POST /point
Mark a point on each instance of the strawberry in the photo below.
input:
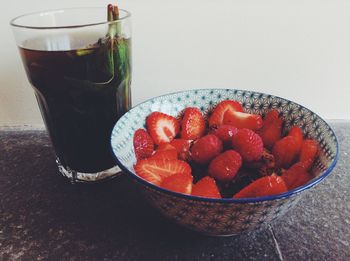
(308, 152)
(206, 187)
(179, 182)
(296, 176)
(265, 186)
(143, 144)
(225, 133)
(165, 151)
(225, 166)
(272, 129)
(243, 120)
(183, 148)
(206, 148)
(249, 144)
(155, 170)
(162, 127)
(193, 124)
(217, 116)
(285, 151)
(297, 133)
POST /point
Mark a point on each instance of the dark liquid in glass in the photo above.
(81, 94)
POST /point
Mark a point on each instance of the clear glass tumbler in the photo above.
(79, 65)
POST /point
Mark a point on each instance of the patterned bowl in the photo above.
(223, 217)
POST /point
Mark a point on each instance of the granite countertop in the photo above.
(42, 216)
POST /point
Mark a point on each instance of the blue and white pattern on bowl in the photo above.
(223, 216)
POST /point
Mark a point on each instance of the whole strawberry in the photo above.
(249, 144)
(225, 166)
(206, 148)
(225, 133)
(143, 144)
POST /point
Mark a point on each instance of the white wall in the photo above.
(297, 49)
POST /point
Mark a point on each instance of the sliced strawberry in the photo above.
(217, 117)
(206, 187)
(165, 151)
(296, 176)
(225, 133)
(183, 148)
(143, 144)
(225, 166)
(243, 120)
(285, 151)
(162, 127)
(272, 129)
(308, 152)
(155, 170)
(265, 186)
(297, 133)
(206, 148)
(249, 144)
(179, 182)
(193, 124)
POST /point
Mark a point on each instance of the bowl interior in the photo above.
(312, 125)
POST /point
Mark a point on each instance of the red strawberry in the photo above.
(162, 127)
(225, 133)
(165, 151)
(249, 144)
(272, 129)
(143, 144)
(297, 133)
(308, 152)
(155, 170)
(285, 151)
(183, 148)
(296, 176)
(217, 117)
(225, 166)
(179, 182)
(206, 148)
(243, 120)
(265, 186)
(206, 187)
(193, 124)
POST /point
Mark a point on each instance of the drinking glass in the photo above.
(79, 65)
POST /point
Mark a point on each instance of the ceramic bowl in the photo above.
(223, 217)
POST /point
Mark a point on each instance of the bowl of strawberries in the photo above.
(223, 161)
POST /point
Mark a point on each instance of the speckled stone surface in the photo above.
(43, 217)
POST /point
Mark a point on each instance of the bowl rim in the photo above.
(228, 200)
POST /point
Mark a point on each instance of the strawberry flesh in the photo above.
(272, 129)
(162, 127)
(165, 151)
(285, 151)
(243, 120)
(308, 152)
(217, 117)
(179, 182)
(296, 176)
(183, 148)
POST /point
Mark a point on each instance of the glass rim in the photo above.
(14, 24)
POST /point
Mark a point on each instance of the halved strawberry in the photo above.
(243, 120)
(272, 129)
(165, 151)
(206, 187)
(217, 116)
(143, 144)
(155, 170)
(265, 186)
(179, 182)
(162, 127)
(308, 152)
(183, 148)
(297, 133)
(296, 176)
(193, 124)
(285, 151)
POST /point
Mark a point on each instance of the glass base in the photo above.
(75, 176)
